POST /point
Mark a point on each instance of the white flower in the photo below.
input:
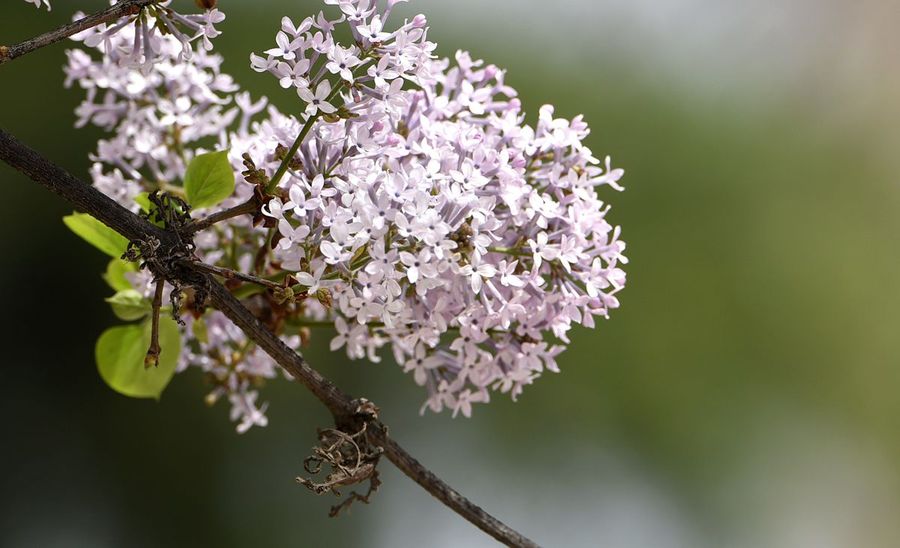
(383, 73)
(318, 101)
(373, 32)
(286, 47)
(291, 236)
(245, 410)
(314, 281)
(420, 364)
(465, 400)
(418, 266)
(293, 75)
(477, 273)
(37, 3)
(507, 273)
(342, 62)
(334, 253)
(288, 26)
(542, 250)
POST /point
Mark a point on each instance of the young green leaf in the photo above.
(129, 305)
(120, 356)
(97, 234)
(209, 179)
(115, 274)
(143, 200)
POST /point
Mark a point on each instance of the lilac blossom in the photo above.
(421, 217)
(498, 237)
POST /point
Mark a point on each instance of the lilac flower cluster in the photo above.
(442, 225)
(411, 206)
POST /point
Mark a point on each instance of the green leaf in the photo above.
(97, 234)
(209, 179)
(115, 274)
(143, 200)
(129, 305)
(120, 357)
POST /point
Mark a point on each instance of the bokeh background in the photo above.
(746, 395)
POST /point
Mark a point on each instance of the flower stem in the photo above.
(324, 324)
(282, 169)
(516, 252)
(229, 274)
(307, 127)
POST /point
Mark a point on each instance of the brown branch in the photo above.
(439, 489)
(343, 408)
(112, 13)
(338, 403)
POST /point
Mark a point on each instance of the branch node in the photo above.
(365, 410)
(351, 457)
(168, 263)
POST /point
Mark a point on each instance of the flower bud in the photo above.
(284, 295)
(324, 297)
(151, 359)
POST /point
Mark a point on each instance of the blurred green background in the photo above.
(747, 394)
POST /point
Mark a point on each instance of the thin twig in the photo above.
(285, 164)
(249, 207)
(440, 490)
(341, 405)
(152, 358)
(229, 274)
(112, 13)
